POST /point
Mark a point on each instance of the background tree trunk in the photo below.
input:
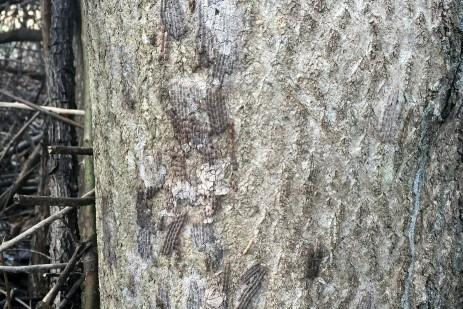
(277, 154)
(61, 87)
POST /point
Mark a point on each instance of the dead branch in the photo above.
(72, 291)
(22, 177)
(38, 226)
(28, 269)
(17, 136)
(21, 35)
(41, 109)
(9, 292)
(70, 150)
(17, 300)
(48, 299)
(28, 200)
(57, 110)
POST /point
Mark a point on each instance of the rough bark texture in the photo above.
(61, 168)
(277, 154)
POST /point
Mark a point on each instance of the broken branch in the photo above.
(43, 110)
(32, 268)
(48, 299)
(71, 292)
(35, 228)
(70, 150)
(21, 35)
(17, 136)
(28, 200)
(58, 110)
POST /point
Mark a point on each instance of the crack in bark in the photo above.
(427, 133)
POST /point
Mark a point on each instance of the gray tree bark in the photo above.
(277, 154)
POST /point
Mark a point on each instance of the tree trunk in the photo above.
(60, 82)
(277, 154)
(86, 216)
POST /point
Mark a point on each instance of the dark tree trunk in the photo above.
(62, 168)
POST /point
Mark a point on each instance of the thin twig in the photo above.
(7, 287)
(23, 129)
(71, 292)
(18, 135)
(32, 251)
(19, 301)
(38, 226)
(70, 150)
(41, 109)
(28, 269)
(57, 110)
(26, 170)
(48, 299)
(30, 200)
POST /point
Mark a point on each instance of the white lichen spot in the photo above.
(222, 20)
(135, 269)
(355, 147)
(388, 168)
(214, 294)
(137, 265)
(131, 161)
(152, 172)
(145, 39)
(331, 115)
(325, 221)
(213, 298)
(183, 190)
(150, 169)
(212, 179)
